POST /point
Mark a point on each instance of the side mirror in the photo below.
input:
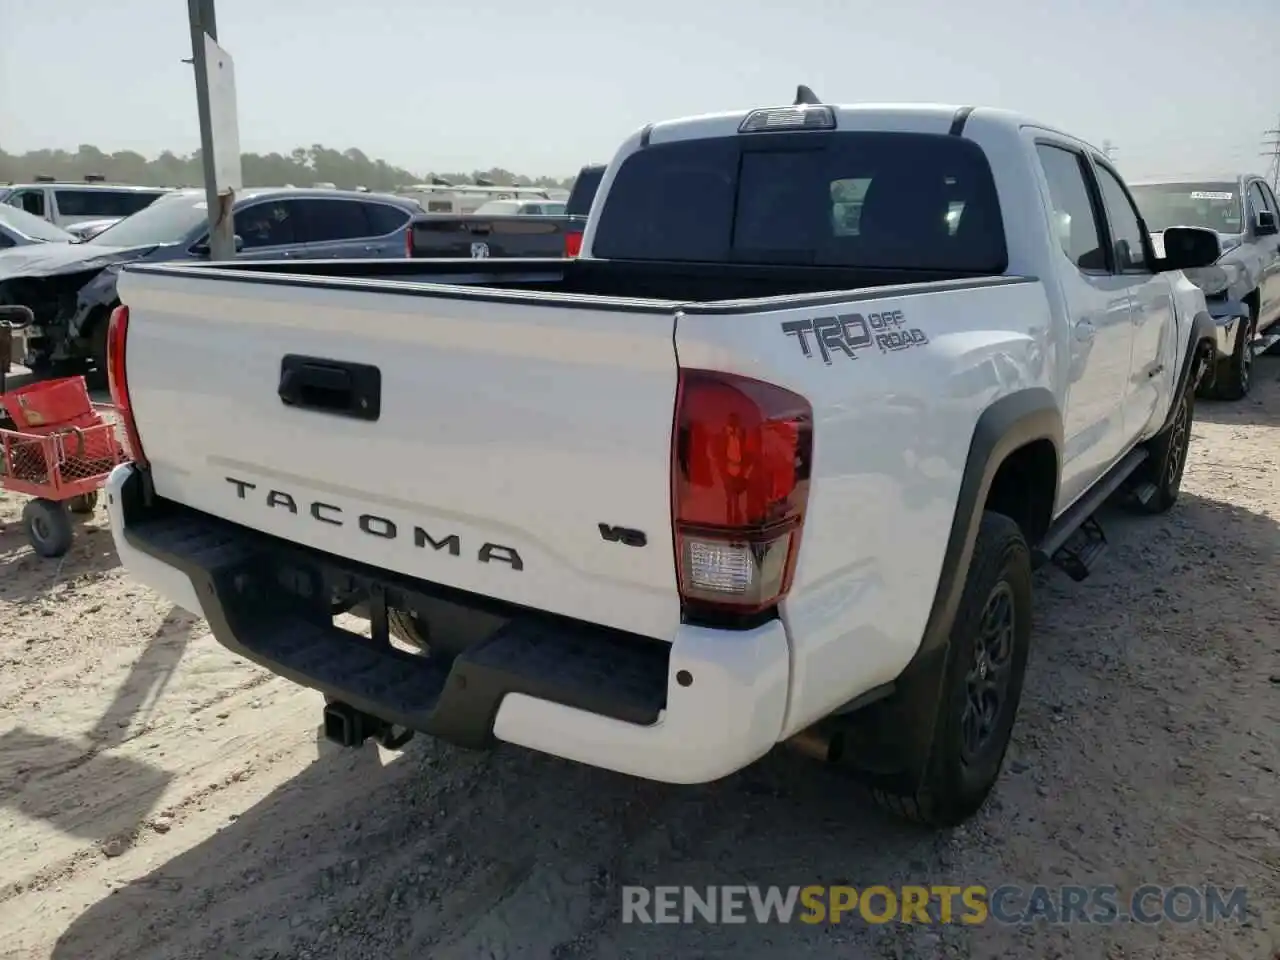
(1189, 248)
(1265, 225)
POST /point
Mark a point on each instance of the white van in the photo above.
(68, 203)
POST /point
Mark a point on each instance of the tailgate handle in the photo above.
(331, 386)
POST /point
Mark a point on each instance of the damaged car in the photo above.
(1242, 289)
(71, 287)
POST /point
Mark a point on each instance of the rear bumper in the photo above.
(691, 711)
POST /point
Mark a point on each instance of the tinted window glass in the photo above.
(5, 242)
(1271, 198)
(384, 218)
(1257, 200)
(31, 201)
(102, 203)
(1214, 205)
(885, 200)
(1074, 219)
(1126, 228)
(328, 220)
(584, 191)
(270, 224)
(171, 219)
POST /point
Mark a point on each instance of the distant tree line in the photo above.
(302, 168)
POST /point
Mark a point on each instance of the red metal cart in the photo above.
(57, 447)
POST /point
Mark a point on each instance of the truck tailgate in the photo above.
(508, 432)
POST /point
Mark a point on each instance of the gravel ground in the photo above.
(162, 799)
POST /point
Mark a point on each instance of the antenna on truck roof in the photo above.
(805, 96)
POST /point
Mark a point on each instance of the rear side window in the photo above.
(384, 218)
(270, 224)
(31, 201)
(881, 200)
(327, 220)
(1075, 221)
(102, 203)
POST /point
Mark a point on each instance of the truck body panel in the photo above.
(490, 433)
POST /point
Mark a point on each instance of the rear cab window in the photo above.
(898, 201)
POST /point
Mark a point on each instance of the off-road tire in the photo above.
(1168, 457)
(958, 779)
(1235, 376)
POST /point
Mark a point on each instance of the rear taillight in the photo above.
(742, 451)
(118, 379)
(408, 241)
(572, 244)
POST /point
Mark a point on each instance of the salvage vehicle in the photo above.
(744, 473)
(1243, 287)
(510, 228)
(21, 229)
(72, 287)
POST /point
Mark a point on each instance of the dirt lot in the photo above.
(163, 800)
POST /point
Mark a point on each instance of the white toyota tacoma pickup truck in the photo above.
(772, 461)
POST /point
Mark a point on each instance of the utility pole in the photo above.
(222, 243)
(1271, 139)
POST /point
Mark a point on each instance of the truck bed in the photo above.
(662, 284)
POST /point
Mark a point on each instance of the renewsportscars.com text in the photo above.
(974, 904)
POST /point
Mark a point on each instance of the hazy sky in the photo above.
(543, 87)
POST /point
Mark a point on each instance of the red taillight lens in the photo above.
(117, 379)
(572, 244)
(741, 457)
(408, 241)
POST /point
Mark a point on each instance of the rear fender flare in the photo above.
(907, 717)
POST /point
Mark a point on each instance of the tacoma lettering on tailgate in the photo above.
(375, 526)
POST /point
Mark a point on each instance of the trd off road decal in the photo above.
(851, 332)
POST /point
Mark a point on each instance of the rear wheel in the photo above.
(982, 686)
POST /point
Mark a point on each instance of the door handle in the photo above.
(369, 248)
(331, 386)
(1085, 331)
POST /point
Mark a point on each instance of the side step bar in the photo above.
(1076, 540)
